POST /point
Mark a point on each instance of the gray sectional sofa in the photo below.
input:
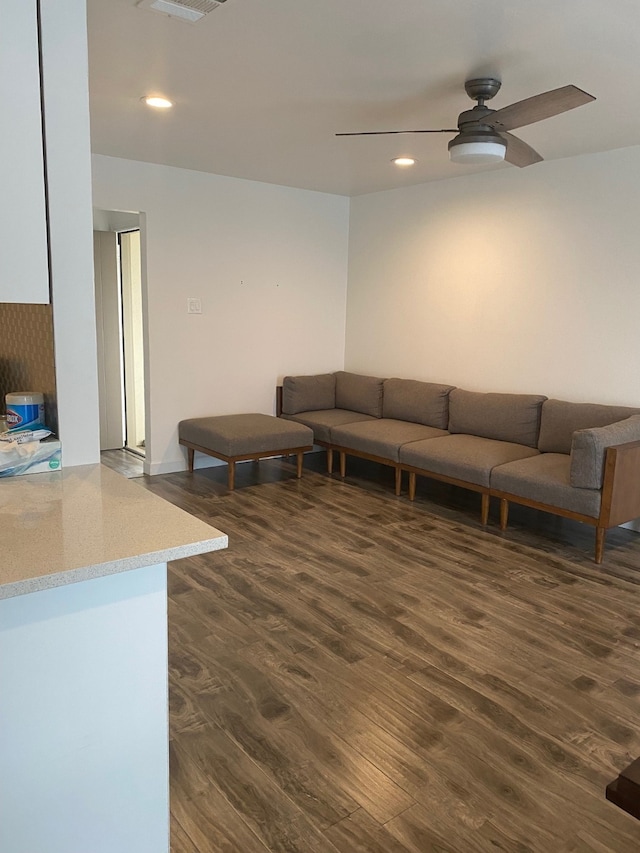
(578, 460)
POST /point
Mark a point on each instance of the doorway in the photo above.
(120, 332)
(132, 340)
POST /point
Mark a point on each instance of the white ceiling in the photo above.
(261, 86)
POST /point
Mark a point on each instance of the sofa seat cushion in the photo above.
(419, 402)
(463, 457)
(546, 479)
(505, 417)
(321, 422)
(381, 437)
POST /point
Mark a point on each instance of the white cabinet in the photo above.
(24, 275)
(83, 700)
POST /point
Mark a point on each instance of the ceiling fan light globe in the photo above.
(477, 152)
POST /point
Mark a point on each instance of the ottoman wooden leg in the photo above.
(231, 475)
(300, 458)
(190, 456)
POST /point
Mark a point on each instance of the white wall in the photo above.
(66, 108)
(204, 235)
(510, 280)
(114, 220)
(109, 339)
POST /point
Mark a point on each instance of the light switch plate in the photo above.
(194, 305)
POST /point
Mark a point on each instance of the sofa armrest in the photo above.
(589, 448)
(621, 489)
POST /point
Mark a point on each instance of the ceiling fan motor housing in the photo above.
(477, 142)
(474, 117)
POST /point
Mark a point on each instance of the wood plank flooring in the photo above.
(360, 674)
(123, 461)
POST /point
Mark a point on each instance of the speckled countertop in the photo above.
(86, 522)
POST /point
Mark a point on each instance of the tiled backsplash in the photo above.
(27, 355)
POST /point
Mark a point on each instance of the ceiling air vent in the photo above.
(187, 10)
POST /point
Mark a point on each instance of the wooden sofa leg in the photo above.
(329, 460)
(343, 464)
(412, 485)
(484, 511)
(601, 533)
(504, 513)
(299, 461)
(398, 480)
(190, 457)
(231, 475)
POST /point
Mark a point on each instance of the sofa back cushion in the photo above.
(561, 419)
(505, 417)
(359, 393)
(589, 449)
(308, 393)
(419, 402)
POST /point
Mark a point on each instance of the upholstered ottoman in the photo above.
(236, 438)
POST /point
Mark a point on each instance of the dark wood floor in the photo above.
(365, 675)
(123, 461)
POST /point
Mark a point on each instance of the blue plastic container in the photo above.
(25, 410)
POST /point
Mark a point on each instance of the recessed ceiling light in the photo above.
(404, 161)
(158, 103)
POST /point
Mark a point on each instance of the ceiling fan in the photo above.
(483, 134)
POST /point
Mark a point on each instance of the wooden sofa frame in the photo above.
(343, 451)
(620, 501)
(483, 491)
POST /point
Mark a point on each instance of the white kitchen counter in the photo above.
(83, 660)
(86, 522)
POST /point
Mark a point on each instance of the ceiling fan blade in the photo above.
(518, 153)
(386, 132)
(538, 108)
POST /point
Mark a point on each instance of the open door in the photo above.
(132, 340)
(119, 325)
